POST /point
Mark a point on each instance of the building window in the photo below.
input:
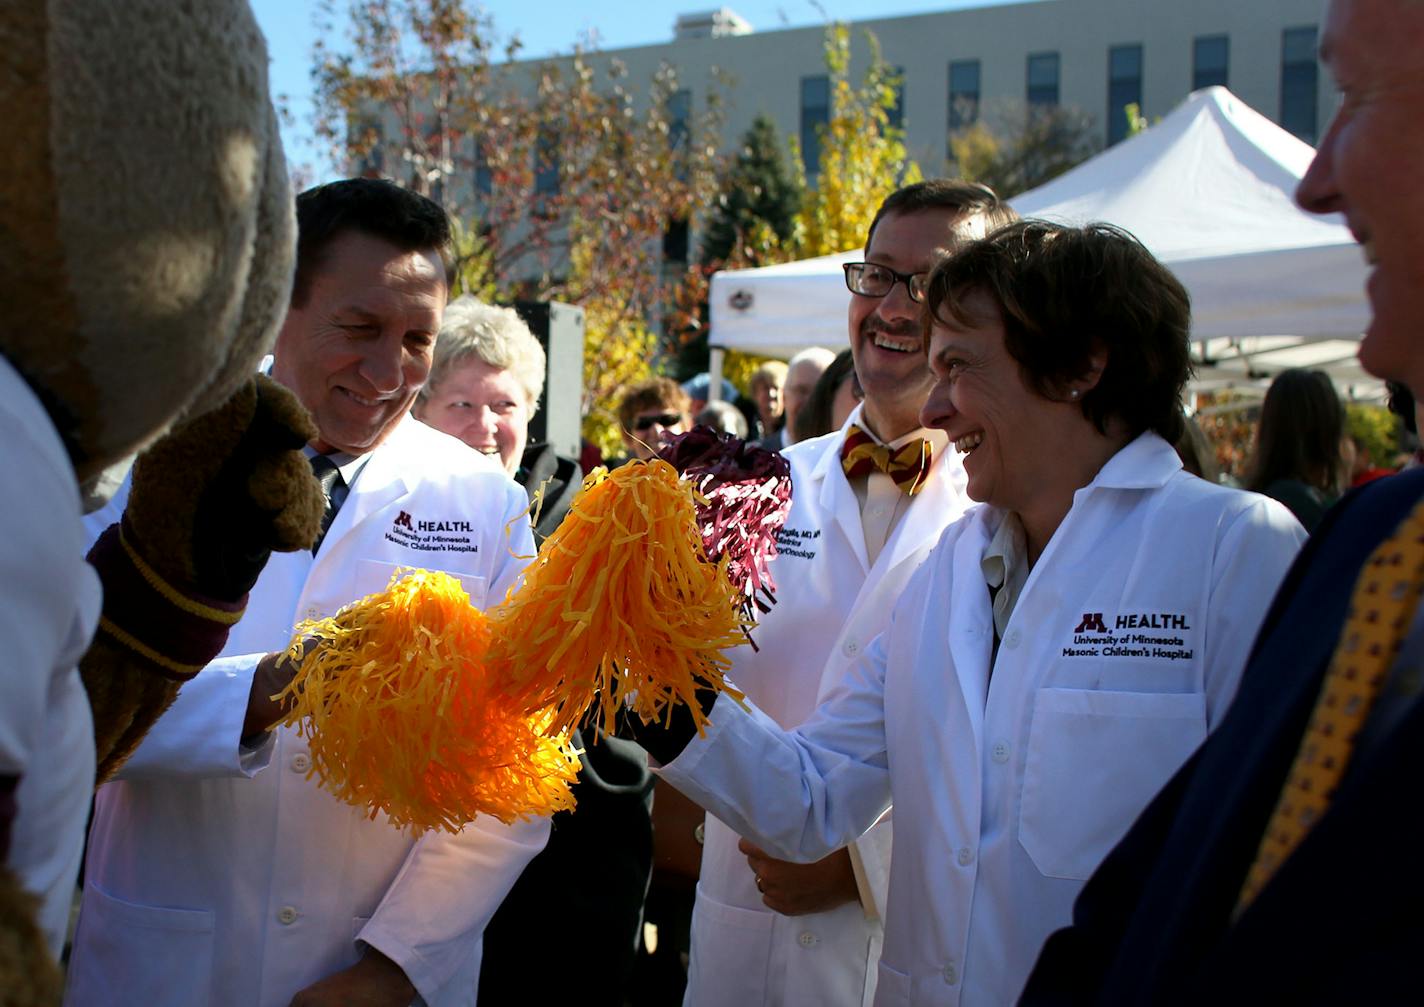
(546, 165)
(815, 114)
(1299, 82)
(963, 93)
(679, 116)
(676, 241)
(1124, 87)
(895, 114)
(365, 136)
(1210, 55)
(1042, 79)
(484, 174)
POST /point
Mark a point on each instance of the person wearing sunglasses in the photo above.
(649, 410)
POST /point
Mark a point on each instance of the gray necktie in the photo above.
(333, 487)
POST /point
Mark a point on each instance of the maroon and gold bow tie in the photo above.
(908, 465)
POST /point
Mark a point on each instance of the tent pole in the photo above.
(714, 375)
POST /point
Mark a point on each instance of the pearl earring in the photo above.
(1073, 394)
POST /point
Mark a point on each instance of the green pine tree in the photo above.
(759, 195)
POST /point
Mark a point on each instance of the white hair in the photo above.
(818, 355)
(498, 336)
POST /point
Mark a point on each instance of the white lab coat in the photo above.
(830, 604)
(221, 875)
(48, 613)
(1009, 790)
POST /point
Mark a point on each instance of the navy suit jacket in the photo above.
(1342, 921)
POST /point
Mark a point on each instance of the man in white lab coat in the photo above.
(218, 872)
(767, 932)
(1058, 654)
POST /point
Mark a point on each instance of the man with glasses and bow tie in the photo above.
(869, 501)
(218, 872)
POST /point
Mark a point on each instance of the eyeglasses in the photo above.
(871, 280)
(661, 419)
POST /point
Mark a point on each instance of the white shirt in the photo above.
(1005, 566)
(219, 874)
(48, 615)
(832, 599)
(1008, 790)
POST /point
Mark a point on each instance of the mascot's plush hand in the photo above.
(209, 503)
(32, 978)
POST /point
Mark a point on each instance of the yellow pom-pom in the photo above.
(418, 706)
(620, 605)
(404, 717)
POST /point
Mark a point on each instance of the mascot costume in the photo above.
(146, 241)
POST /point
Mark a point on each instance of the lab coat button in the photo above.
(851, 648)
(1012, 640)
(301, 762)
(808, 939)
(287, 915)
(951, 974)
(1000, 752)
(966, 856)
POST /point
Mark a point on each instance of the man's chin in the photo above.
(1392, 356)
(358, 441)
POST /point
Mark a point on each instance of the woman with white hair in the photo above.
(484, 387)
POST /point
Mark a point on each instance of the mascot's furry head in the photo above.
(146, 225)
(146, 248)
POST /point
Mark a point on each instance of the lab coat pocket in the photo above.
(146, 956)
(731, 954)
(892, 987)
(1095, 759)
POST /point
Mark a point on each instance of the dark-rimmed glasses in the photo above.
(870, 279)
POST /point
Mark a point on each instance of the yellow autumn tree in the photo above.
(563, 175)
(863, 155)
(863, 159)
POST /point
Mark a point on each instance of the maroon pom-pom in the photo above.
(746, 495)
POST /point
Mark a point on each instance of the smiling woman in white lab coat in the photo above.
(1061, 652)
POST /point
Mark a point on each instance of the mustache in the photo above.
(872, 324)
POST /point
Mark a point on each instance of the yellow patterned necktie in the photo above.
(908, 465)
(1380, 615)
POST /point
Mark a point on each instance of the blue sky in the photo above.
(546, 27)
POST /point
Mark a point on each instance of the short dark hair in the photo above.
(652, 393)
(1299, 433)
(1401, 403)
(1065, 292)
(968, 199)
(373, 206)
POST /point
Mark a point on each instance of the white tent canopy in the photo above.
(1209, 190)
(777, 311)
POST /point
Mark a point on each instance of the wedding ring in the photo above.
(760, 887)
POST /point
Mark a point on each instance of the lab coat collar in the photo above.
(834, 495)
(1146, 463)
(924, 521)
(831, 460)
(379, 483)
